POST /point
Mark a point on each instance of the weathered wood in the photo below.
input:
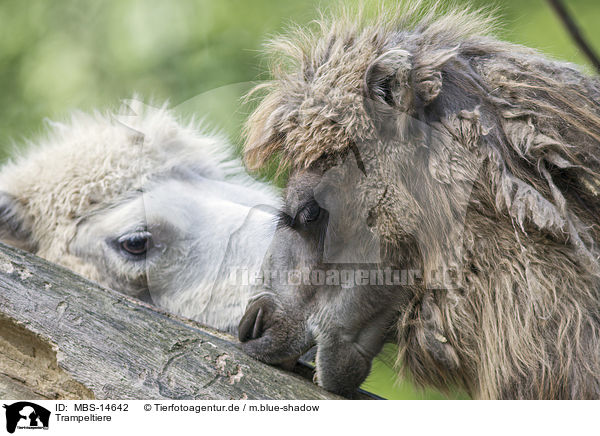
(62, 336)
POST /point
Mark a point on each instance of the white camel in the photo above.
(144, 204)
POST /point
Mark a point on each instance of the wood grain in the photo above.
(62, 336)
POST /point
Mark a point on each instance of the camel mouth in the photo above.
(270, 350)
(342, 370)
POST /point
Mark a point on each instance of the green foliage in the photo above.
(57, 56)
(202, 55)
(384, 381)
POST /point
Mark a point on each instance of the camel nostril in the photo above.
(251, 324)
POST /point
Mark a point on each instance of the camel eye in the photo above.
(309, 213)
(135, 244)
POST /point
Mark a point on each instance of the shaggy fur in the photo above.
(520, 130)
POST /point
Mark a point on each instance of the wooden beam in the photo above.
(62, 336)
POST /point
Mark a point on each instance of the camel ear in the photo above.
(387, 78)
(14, 227)
(396, 79)
(427, 74)
(428, 84)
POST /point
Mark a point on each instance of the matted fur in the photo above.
(526, 322)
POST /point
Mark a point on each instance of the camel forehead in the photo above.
(95, 160)
(180, 203)
(315, 102)
(92, 151)
(326, 113)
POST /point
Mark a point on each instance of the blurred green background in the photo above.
(199, 54)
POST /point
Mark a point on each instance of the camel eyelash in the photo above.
(285, 220)
(308, 213)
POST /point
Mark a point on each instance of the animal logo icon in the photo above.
(24, 414)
